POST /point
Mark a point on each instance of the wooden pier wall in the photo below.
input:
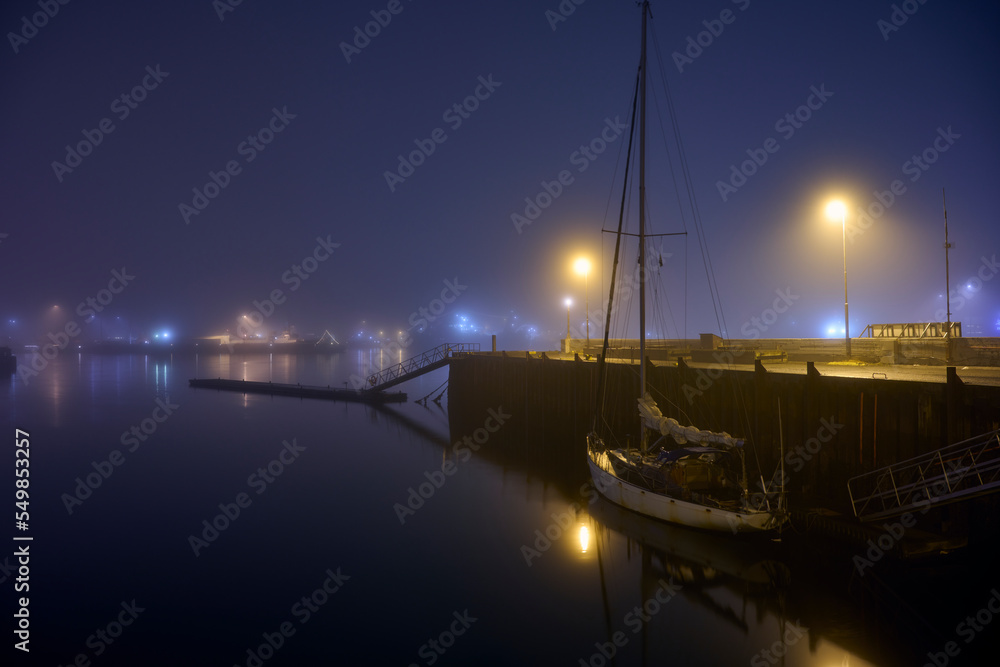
(834, 427)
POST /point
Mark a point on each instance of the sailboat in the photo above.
(689, 476)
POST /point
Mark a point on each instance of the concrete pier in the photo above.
(972, 351)
(833, 427)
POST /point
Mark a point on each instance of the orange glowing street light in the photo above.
(837, 209)
(582, 265)
(584, 538)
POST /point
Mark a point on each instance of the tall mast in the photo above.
(642, 209)
(601, 360)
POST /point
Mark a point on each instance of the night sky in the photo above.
(308, 118)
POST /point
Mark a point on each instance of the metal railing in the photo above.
(957, 472)
(912, 330)
(419, 364)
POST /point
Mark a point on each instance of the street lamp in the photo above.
(834, 210)
(584, 538)
(582, 265)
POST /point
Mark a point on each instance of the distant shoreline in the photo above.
(158, 347)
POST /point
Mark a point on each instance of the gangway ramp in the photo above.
(425, 362)
(957, 472)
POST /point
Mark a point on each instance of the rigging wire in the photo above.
(659, 284)
(676, 189)
(700, 232)
(689, 187)
(613, 187)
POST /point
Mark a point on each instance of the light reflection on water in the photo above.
(731, 598)
(464, 547)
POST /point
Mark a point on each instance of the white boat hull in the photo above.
(674, 510)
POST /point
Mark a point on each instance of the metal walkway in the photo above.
(957, 472)
(425, 362)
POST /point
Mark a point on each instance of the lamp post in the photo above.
(947, 283)
(566, 348)
(569, 302)
(834, 210)
(582, 265)
(127, 327)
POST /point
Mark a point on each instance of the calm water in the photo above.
(450, 585)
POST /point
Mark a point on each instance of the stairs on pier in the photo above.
(951, 474)
(425, 362)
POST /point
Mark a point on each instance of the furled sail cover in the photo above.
(654, 419)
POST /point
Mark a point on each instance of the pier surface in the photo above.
(978, 375)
